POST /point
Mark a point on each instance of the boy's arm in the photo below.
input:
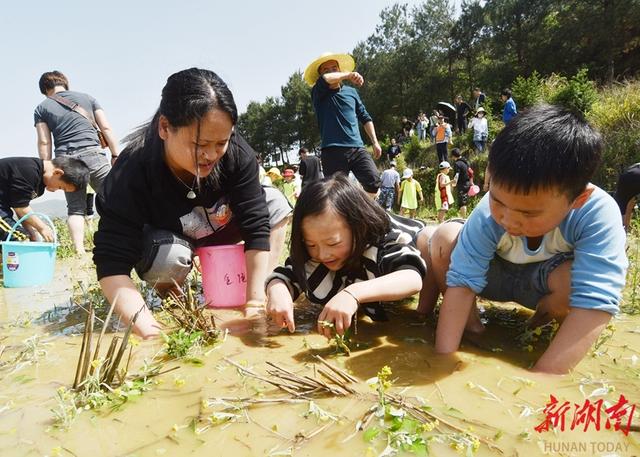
(44, 140)
(36, 223)
(575, 337)
(454, 312)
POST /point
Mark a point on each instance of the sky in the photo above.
(122, 52)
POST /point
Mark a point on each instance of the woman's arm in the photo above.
(128, 301)
(257, 269)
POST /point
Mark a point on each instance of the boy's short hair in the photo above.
(546, 147)
(506, 93)
(76, 172)
(455, 152)
(51, 79)
(303, 150)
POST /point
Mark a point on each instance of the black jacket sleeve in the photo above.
(118, 240)
(247, 198)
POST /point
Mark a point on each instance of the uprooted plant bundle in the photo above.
(193, 326)
(103, 380)
(399, 423)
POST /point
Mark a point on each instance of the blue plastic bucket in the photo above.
(27, 264)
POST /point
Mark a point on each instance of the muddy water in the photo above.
(487, 390)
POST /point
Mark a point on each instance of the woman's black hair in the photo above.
(187, 97)
(546, 147)
(369, 223)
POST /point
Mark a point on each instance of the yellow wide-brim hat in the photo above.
(345, 61)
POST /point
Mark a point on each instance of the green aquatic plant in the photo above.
(529, 337)
(342, 342)
(181, 343)
(30, 352)
(84, 294)
(65, 248)
(631, 302)
(605, 336)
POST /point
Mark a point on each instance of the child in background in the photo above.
(345, 251)
(443, 197)
(543, 237)
(410, 190)
(480, 129)
(289, 186)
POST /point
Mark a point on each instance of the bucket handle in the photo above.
(28, 215)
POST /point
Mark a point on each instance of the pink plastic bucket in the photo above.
(473, 191)
(224, 275)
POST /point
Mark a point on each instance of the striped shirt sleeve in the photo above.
(394, 255)
(286, 275)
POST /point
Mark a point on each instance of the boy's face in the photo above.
(53, 181)
(533, 214)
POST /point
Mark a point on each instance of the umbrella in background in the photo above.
(448, 110)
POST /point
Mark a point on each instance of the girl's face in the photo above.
(180, 143)
(328, 238)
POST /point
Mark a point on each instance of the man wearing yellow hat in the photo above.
(338, 110)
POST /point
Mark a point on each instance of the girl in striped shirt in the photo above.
(345, 250)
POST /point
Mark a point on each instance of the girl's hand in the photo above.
(338, 311)
(280, 305)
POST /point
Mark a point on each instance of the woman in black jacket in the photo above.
(186, 179)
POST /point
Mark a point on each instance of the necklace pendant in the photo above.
(191, 195)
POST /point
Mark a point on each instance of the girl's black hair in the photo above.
(187, 97)
(369, 223)
(546, 147)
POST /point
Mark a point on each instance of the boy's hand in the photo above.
(47, 234)
(338, 311)
(280, 305)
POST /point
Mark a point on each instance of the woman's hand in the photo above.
(339, 312)
(280, 305)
